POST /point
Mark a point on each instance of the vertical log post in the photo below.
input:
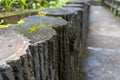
(67, 67)
(45, 41)
(85, 16)
(12, 46)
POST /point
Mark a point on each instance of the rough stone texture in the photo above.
(40, 51)
(11, 42)
(22, 68)
(54, 49)
(13, 45)
(60, 28)
(84, 27)
(85, 17)
(69, 57)
(79, 12)
(45, 46)
(47, 51)
(34, 32)
(45, 59)
(69, 14)
(6, 72)
(44, 20)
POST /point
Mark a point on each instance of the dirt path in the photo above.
(103, 60)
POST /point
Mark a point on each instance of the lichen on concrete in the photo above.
(58, 11)
(34, 32)
(46, 20)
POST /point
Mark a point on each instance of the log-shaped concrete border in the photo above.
(54, 49)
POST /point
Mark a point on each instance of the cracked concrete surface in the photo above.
(103, 59)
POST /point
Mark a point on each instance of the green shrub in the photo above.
(10, 5)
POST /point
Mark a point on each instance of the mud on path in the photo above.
(103, 60)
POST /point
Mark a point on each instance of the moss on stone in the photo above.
(6, 26)
(46, 20)
(34, 29)
(60, 18)
(41, 13)
(22, 21)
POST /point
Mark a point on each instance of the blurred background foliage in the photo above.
(96, 2)
(13, 5)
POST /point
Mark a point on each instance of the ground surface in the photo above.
(103, 60)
